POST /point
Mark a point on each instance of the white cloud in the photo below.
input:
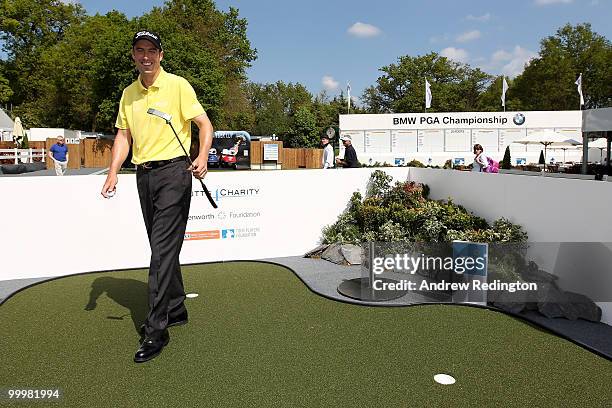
(547, 2)
(501, 56)
(329, 83)
(468, 36)
(484, 18)
(455, 54)
(363, 30)
(511, 63)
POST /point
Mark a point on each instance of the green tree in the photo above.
(27, 28)
(275, 106)
(211, 49)
(548, 81)
(541, 160)
(81, 78)
(401, 88)
(490, 99)
(82, 63)
(303, 132)
(506, 162)
(328, 111)
(5, 89)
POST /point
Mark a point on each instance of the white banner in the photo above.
(462, 120)
(69, 228)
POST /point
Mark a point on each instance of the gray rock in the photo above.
(36, 166)
(584, 307)
(13, 168)
(510, 302)
(532, 273)
(352, 254)
(553, 303)
(333, 254)
(316, 253)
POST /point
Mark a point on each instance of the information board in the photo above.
(487, 138)
(378, 141)
(270, 151)
(404, 141)
(457, 140)
(431, 140)
(507, 138)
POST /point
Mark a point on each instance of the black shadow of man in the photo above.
(129, 293)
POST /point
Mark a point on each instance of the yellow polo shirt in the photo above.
(152, 138)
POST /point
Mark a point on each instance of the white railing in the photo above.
(22, 155)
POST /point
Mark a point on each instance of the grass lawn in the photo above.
(258, 337)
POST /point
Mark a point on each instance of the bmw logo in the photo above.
(519, 119)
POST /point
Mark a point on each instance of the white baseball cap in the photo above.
(346, 137)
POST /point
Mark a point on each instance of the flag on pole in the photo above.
(427, 94)
(348, 92)
(504, 89)
(579, 85)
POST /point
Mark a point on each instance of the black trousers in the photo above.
(165, 196)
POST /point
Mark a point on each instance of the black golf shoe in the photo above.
(151, 347)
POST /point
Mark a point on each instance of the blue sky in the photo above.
(324, 44)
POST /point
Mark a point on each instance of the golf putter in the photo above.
(168, 118)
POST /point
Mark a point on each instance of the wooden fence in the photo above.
(289, 158)
(96, 152)
(92, 153)
(89, 153)
(302, 158)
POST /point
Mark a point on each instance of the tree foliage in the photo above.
(548, 81)
(27, 29)
(71, 70)
(401, 88)
(5, 90)
(276, 106)
(506, 162)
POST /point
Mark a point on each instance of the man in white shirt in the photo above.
(328, 153)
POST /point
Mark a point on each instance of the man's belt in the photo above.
(160, 163)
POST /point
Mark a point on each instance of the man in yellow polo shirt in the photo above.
(163, 178)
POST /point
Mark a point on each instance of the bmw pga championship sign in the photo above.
(435, 138)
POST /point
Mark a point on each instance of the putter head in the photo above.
(165, 116)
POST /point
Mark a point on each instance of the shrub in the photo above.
(415, 163)
(403, 212)
(506, 161)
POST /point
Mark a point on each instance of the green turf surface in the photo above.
(258, 337)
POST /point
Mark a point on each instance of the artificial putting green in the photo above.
(258, 337)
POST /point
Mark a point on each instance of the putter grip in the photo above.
(210, 199)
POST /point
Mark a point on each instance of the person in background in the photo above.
(350, 155)
(480, 160)
(328, 153)
(59, 154)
